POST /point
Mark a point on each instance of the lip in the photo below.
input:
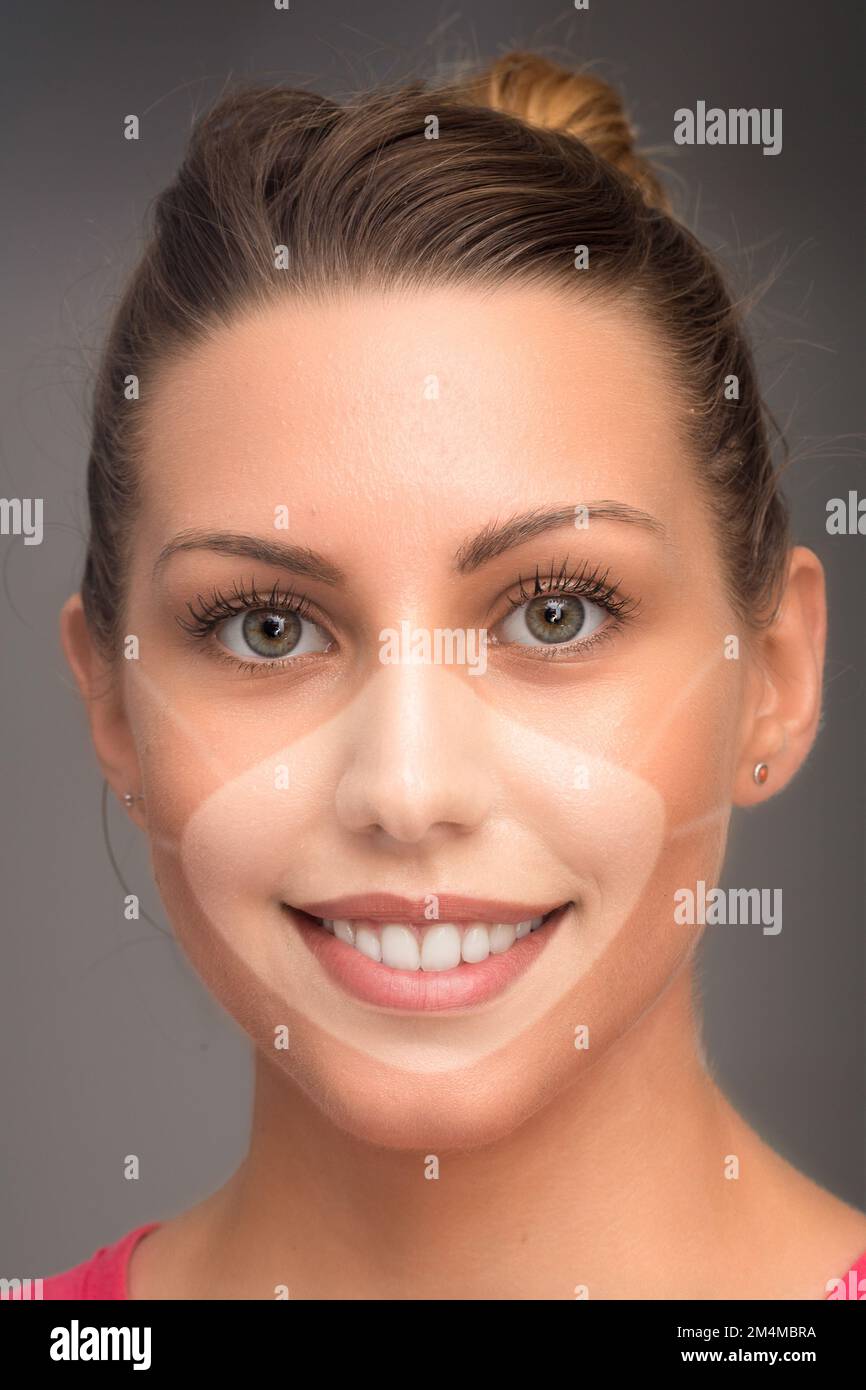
(421, 991)
(451, 907)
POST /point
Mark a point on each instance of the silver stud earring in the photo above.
(129, 799)
(760, 773)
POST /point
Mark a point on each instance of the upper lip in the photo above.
(450, 907)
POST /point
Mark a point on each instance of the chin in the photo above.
(430, 1115)
(465, 1108)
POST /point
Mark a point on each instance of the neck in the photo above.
(621, 1167)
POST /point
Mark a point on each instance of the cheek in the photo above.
(632, 792)
(613, 801)
(192, 741)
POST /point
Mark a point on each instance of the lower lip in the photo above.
(422, 991)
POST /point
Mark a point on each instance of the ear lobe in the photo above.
(102, 692)
(786, 704)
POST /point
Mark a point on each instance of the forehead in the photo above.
(409, 401)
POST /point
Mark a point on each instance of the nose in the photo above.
(417, 765)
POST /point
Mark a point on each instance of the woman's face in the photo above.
(574, 752)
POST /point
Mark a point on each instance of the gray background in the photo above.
(110, 1045)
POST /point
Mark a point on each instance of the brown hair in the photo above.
(530, 160)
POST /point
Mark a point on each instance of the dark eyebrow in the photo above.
(495, 539)
(299, 559)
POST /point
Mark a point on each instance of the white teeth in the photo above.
(368, 943)
(399, 947)
(439, 947)
(503, 935)
(476, 944)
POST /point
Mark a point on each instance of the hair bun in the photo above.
(545, 94)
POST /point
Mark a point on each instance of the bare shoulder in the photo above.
(163, 1262)
(810, 1235)
(834, 1232)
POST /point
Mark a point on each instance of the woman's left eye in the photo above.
(553, 620)
(264, 634)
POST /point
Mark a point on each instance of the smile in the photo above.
(381, 951)
(438, 946)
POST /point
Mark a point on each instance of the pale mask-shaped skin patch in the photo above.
(603, 779)
(599, 850)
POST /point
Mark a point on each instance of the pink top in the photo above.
(104, 1274)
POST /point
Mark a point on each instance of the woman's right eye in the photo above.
(270, 634)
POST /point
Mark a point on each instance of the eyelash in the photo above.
(244, 598)
(585, 581)
(590, 582)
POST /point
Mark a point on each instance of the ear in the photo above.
(102, 691)
(783, 705)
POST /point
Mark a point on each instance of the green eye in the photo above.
(270, 634)
(553, 619)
